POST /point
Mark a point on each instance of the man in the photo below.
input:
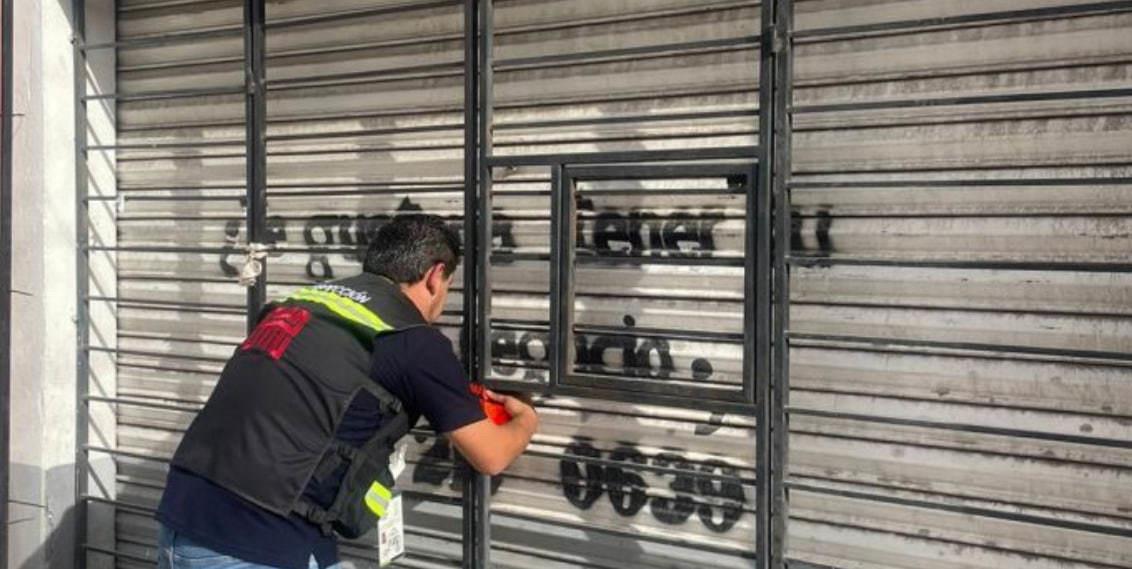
(296, 443)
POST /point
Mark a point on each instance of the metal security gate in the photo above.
(958, 227)
(273, 140)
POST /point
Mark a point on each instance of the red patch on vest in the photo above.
(274, 333)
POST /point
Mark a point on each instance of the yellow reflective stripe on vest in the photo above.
(377, 498)
(344, 307)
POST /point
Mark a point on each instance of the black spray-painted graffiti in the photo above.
(628, 233)
(710, 489)
(650, 357)
(689, 233)
(718, 502)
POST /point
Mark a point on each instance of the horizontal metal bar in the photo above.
(1088, 354)
(594, 376)
(589, 527)
(125, 189)
(969, 100)
(818, 213)
(967, 19)
(686, 335)
(624, 396)
(238, 197)
(659, 171)
(170, 249)
(795, 564)
(163, 95)
(959, 509)
(117, 554)
(143, 403)
(341, 51)
(964, 427)
(623, 119)
(584, 258)
(360, 150)
(649, 193)
(989, 309)
(365, 132)
(336, 79)
(202, 306)
(963, 183)
(557, 24)
(324, 18)
(437, 498)
(137, 508)
(166, 38)
(126, 453)
(824, 261)
(141, 353)
(846, 344)
(231, 61)
(642, 192)
(644, 51)
(165, 145)
(689, 154)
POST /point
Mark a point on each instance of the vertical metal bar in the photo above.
(568, 229)
(486, 88)
(5, 267)
(476, 491)
(755, 287)
(471, 185)
(255, 118)
(763, 459)
(478, 32)
(559, 336)
(82, 283)
(783, 131)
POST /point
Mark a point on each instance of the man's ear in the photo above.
(434, 279)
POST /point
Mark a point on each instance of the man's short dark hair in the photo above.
(407, 247)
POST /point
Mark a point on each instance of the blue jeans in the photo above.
(177, 551)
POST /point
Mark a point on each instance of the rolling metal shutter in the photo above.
(180, 173)
(960, 324)
(365, 120)
(960, 293)
(588, 77)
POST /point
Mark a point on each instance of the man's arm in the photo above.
(491, 448)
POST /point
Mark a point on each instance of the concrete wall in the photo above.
(43, 285)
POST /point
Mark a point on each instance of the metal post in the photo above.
(82, 270)
(780, 389)
(486, 87)
(471, 186)
(560, 337)
(5, 267)
(256, 140)
(763, 185)
(477, 247)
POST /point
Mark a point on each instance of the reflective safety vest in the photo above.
(269, 427)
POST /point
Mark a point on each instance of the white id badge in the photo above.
(397, 460)
(391, 533)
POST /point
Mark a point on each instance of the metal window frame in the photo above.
(768, 399)
(565, 170)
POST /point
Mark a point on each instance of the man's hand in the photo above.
(491, 448)
(515, 404)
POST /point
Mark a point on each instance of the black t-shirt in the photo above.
(417, 366)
